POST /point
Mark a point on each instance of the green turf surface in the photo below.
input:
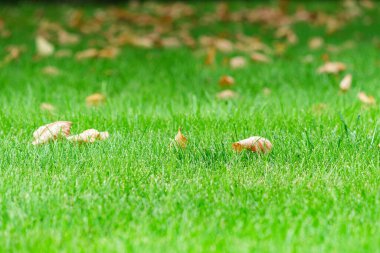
(317, 191)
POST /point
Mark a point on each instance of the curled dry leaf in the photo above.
(365, 99)
(332, 67)
(259, 57)
(254, 144)
(315, 43)
(238, 62)
(95, 99)
(51, 131)
(345, 84)
(50, 70)
(226, 81)
(44, 47)
(47, 107)
(226, 95)
(88, 53)
(180, 139)
(89, 136)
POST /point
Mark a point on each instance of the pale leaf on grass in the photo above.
(89, 136)
(316, 42)
(238, 62)
(51, 131)
(255, 144)
(259, 57)
(51, 71)
(227, 95)
(226, 81)
(86, 54)
(365, 99)
(47, 107)
(180, 140)
(332, 68)
(345, 84)
(44, 47)
(95, 99)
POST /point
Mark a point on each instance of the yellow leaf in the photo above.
(95, 99)
(180, 139)
(44, 47)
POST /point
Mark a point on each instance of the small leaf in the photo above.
(345, 84)
(238, 62)
(226, 81)
(51, 131)
(254, 144)
(258, 57)
(89, 136)
(226, 95)
(95, 99)
(51, 71)
(332, 67)
(365, 99)
(44, 47)
(315, 43)
(180, 139)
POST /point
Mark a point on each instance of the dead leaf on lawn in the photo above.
(332, 67)
(44, 47)
(89, 136)
(86, 54)
(259, 57)
(238, 62)
(95, 99)
(254, 144)
(345, 84)
(365, 99)
(226, 95)
(226, 81)
(180, 140)
(210, 56)
(47, 107)
(315, 43)
(51, 131)
(51, 71)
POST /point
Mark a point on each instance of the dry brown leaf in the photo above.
(258, 57)
(210, 56)
(47, 107)
(224, 45)
(65, 38)
(89, 136)
(44, 47)
(226, 95)
(51, 70)
(88, 53)
(332, 67)
(315, 43)
(226, 81)
(14, 53)
(365, 99)
(345, 84)
(238, 62)
(254, 144)
(51, 131)
(170, 42)
(180, 139)
(110, 52)
(95, 99)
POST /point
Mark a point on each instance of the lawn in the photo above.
(318, 190)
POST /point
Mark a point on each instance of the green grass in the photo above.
(317, 191)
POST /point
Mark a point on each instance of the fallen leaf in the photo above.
(44, 47)
(210, 56)
(51, 131)
(109, 52)
(226, 81)
(180, 139)
(332, 67)
(238, 62)
(315, 43)
(86, 54)
(258, 57)
(89, 136)
(365, 99)
(345, 84)
(50, 70)
(47, 107)
(254, 144)
(95, 99)
(226, 95)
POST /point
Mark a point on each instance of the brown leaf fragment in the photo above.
(65, 38)
(345, 84)
(95, 99)
(44, 47)
(180, 139)
(315, 43)
(238, 62)
(51, 131)
(47, 107)
(255, 144)
(226, 81)
(332, 67)
(365, 99)
(51, 71)
(109, 52)
(210, 56)
(226, 95)
(89, 136)
(86, 54)
(259, 57)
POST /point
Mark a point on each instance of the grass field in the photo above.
(317, 191)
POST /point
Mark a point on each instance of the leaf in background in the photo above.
(95, 99)
(226, 95)
(345, 84)
(254, 144)
(225, 81)
(44, 47)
